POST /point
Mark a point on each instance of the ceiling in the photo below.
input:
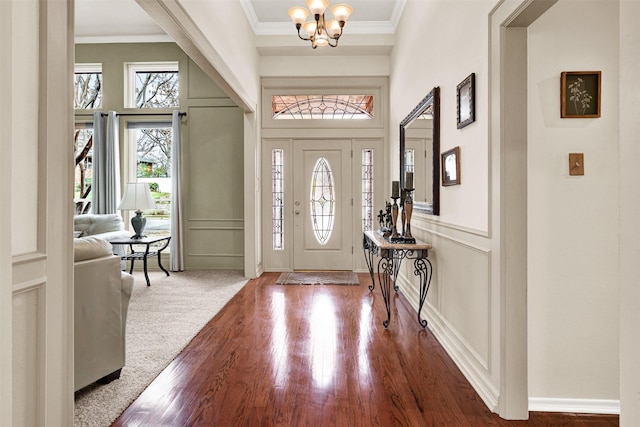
(113, 21)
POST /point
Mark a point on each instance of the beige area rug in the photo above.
(318, 278)
(162, 319)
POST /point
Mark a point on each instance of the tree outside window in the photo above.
(153, 165)
(87, 96)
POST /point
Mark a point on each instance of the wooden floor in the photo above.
(318, 356)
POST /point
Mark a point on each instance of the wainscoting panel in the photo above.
(215, 190)
(28, 367)
(216, 246)
(459, 301)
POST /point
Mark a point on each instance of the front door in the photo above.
(322, 211)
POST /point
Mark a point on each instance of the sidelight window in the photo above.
(367, 189)
(277, 198)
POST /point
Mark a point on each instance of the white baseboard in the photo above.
(578, 406)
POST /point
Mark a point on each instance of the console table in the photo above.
(391, 256)
(160, 244)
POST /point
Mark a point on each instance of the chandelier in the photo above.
(321, 33)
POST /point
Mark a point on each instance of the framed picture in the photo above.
(580, 94)
(451, 167)
(465, 94)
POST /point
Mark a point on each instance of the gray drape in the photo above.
(176, 260)
(105, 184)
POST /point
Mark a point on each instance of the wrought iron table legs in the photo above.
(369, 251)
(424, 269)
(388, 269)
(385, 270)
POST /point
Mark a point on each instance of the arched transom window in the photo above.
(336, 107)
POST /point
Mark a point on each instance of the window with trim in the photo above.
(333, 107)
(325, 102)
(277, 198)
(87, 86)
(367, 189)
(150, 146)
(83, 154)
(152, 85)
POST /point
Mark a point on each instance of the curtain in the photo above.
(176, 259)
(105, 185)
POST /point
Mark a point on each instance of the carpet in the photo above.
(162, 319)
(318, 278)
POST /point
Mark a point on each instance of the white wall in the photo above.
(461, 305)
(325, 65)
(430, 51)
(629, 214)
(573, 270)
(573, 220)
(225, 26)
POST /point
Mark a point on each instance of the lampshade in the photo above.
(310, 27)
(317, 7)
(341, 12)
(298, 15)
(333, 27)
(137, 196)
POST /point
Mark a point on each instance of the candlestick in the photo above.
(395, 189)
(395, 236)
(408, 208)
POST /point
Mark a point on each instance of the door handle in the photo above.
(297, 212)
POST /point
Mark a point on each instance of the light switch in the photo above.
(576, 164)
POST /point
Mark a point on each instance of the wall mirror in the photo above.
(420, 152)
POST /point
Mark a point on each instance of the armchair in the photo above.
(101, 303)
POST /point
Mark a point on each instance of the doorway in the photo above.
(323, 210)
(294, 238)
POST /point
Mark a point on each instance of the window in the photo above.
(336, 107)
(150, 152)
(152, 85)
(87, 86)
(322, 200)
(83, 154)
(367, 189)
(409, 160)
(277, 198)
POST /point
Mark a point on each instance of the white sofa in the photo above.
(105, 226)
(101, 303)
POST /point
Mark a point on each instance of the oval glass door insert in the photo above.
(323, 200)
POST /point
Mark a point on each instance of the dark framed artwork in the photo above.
(580, 94)
(465, 94)
(451, 167)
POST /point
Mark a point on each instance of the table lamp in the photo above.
(137, 196)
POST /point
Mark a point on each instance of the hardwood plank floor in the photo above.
(300, 355)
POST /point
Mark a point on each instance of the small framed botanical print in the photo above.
(580, 94)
